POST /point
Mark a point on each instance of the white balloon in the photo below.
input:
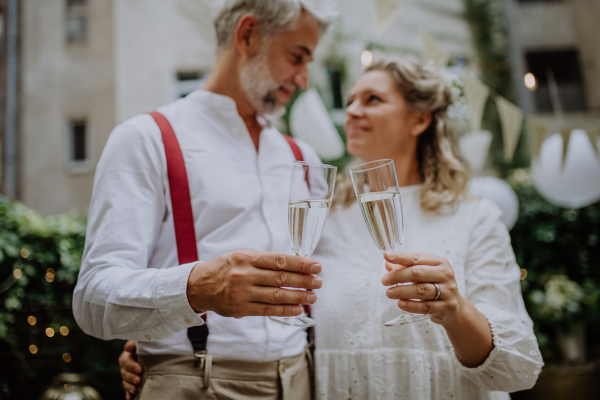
(500, 192)
(310, 121)
(575, 185)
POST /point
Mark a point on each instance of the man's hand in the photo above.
(131, 371)
(249, 283)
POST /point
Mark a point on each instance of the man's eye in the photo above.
(297, 59)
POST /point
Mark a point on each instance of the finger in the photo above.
(416, 273)
(129, 388)
(127, 395)
(129, 365)
(422, 307)
(283, 296)
(287, 279)
(270, 310)
(128, 377)
(407, 258)
(129, 346)
(286, 262)
(424, 291)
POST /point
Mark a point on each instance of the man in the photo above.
(238, 170)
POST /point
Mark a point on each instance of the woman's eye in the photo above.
(373, 98)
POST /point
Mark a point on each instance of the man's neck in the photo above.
(224, 79)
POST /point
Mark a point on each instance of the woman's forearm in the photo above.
(471, 335)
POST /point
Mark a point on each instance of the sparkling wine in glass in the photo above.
(376, 188)
(310, 199)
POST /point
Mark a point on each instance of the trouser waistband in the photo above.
(224, 368)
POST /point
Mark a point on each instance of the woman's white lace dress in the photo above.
(356, 357)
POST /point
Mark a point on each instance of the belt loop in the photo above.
(207, 372)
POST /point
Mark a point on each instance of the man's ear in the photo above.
(246, 38)
(420, 122)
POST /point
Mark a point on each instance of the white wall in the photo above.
(153, 40)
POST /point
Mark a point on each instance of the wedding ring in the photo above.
(437, 291)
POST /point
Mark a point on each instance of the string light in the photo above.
(31, 320)
(49, 332)
(66, 357)
(64, 330)
(33, 349)
(24, 253)
(50, 274)
(530, 81)
(17, 273)
(366, 58)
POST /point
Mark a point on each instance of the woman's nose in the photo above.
(353, 110)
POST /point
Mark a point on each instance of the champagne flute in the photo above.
(376, 187)
(310, 198)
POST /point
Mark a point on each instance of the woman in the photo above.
(479, 343)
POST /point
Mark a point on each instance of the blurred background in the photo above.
(526, 75)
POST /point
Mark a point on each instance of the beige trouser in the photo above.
(175, 377)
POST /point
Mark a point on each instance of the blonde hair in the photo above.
(442, 167)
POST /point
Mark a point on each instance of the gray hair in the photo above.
(273, 16)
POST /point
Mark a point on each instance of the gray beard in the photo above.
(260, 87)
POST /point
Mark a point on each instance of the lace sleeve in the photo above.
(492, 285)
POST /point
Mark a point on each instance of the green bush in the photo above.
(39, 263)
(560, 249)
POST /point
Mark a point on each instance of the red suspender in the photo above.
(295, 149)
(183, 218)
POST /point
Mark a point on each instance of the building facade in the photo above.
(556, 41)
(88, 65)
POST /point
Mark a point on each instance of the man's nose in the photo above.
(301, 79)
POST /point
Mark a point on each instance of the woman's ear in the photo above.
(420, 122)
(246, 38)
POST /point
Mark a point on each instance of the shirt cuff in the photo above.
(491, 357)
(171, 298)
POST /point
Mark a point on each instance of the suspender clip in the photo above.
(199, 359)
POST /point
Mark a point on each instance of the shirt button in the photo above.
(282, 369)
(187, 321)
(147, 337)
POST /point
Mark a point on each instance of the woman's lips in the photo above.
(355, 130)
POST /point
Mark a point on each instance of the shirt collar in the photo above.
(212, 99)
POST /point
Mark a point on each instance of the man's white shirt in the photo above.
(130, 285)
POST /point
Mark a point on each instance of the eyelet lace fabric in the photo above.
(356, 357)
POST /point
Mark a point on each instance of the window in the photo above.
(78, 149)
(563, 67)
(335, 80)
(76, 20)
(187, 82)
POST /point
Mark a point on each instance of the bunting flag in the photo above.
(432, 51)
(593, 134)
(385, 11)
(565, 133)
(511, 119)
(476, 93)
(538, 130)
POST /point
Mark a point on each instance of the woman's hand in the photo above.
(423, 270)
(130, 370)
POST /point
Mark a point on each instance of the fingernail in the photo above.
(384, 280)
(390, 255)
(315, 268)
(402, 304)
(311, 298)
(317, 282)
(389, 293)
(297, 310)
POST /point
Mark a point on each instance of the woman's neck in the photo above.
(407, 170)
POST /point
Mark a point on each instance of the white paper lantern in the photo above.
(475, 147)
(310, 121)
(577, 183)
(500, 192)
